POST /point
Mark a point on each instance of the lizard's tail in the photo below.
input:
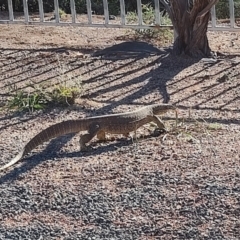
(56, 130)
(14, 160)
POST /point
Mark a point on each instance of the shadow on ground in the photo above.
(126, 74)
(123, 74)
(52, 152)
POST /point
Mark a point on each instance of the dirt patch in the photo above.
(183, 184)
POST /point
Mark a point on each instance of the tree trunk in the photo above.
(190, 21)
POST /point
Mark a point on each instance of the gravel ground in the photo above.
(184, 184)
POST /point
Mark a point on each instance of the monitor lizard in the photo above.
(120, 123)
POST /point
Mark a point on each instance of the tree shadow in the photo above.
(22, 67)
(114, 82)
(52, 152)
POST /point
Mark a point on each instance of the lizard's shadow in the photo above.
(52, 152)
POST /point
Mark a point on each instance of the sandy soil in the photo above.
(184, 184)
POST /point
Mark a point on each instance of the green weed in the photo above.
(30, 101)
(64, 95)
(61, 13)
(148, 15)
(39, 98)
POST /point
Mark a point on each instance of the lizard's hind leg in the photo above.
(93, 130)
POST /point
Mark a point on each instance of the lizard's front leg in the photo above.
(159, 123)
(93, 130)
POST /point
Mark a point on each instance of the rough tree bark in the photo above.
(190, 21)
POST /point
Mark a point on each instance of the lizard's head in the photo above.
(162, 108)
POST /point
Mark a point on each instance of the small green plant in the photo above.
(131, 17)
(69, 86)
(36, 97)
(148, 15)
(61, 13)
(27, 100)
(39, 98)
(62, 94)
